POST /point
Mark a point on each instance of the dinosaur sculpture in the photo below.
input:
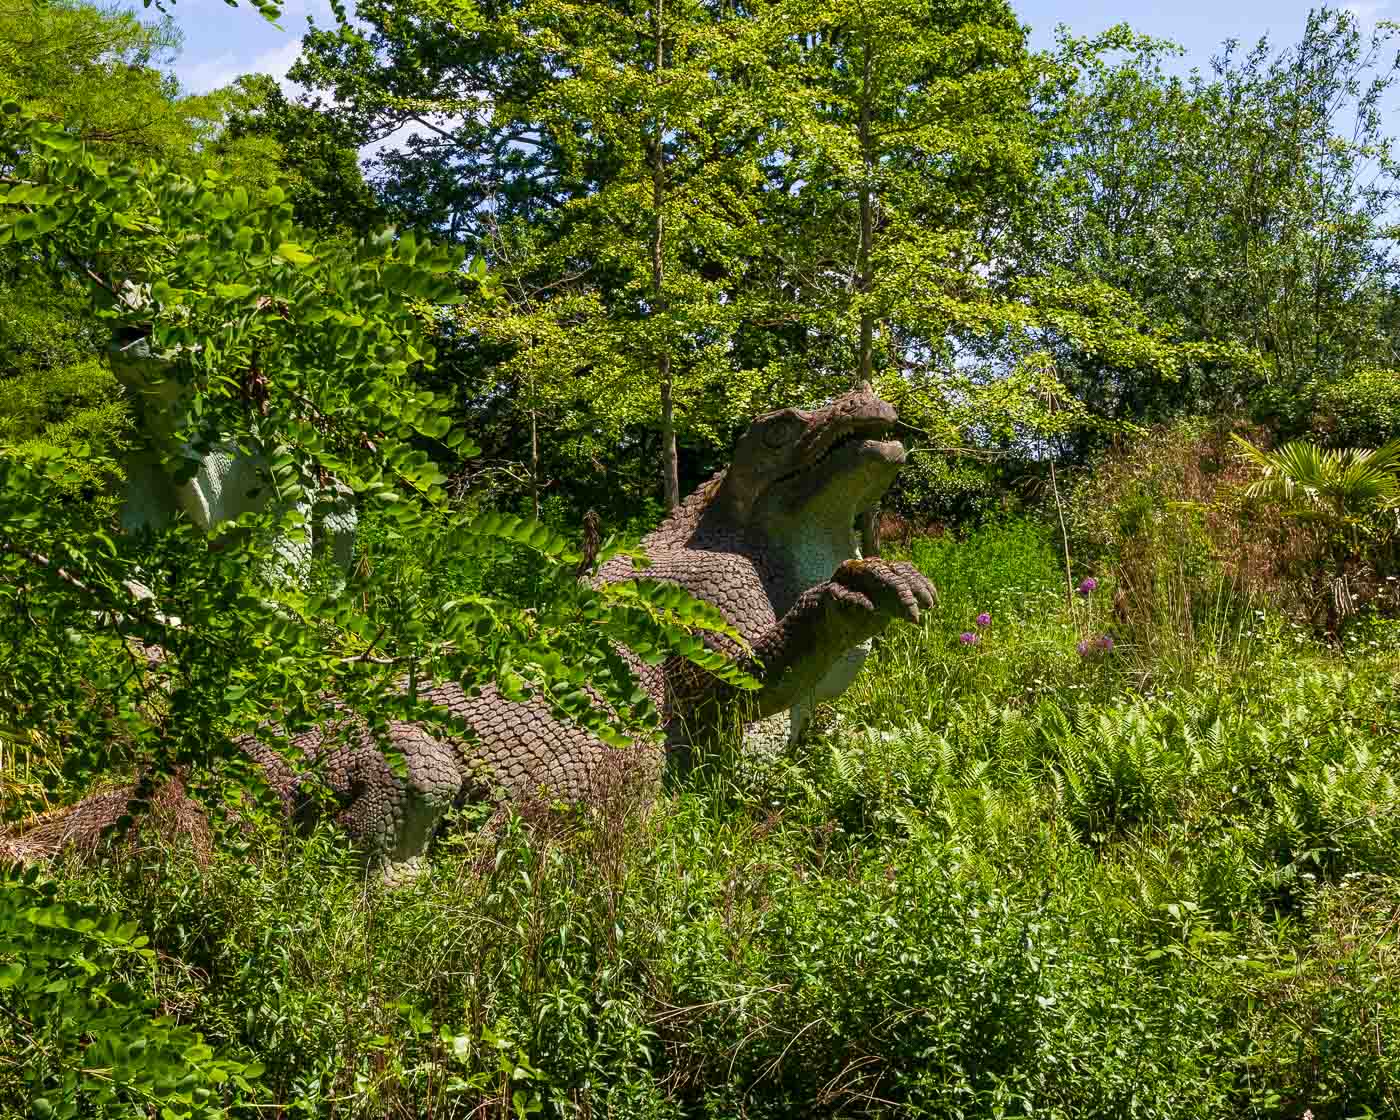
(226, 481)
(769, 542)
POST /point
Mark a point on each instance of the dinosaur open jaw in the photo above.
(867, 442)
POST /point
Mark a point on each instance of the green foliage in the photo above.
(1351, 494)
(303, 345)
(1346, 487)
(1005, 879)
(98, 71)
(56, 398)
(1245, 204)
(87, 1035)
(316, 157)
(932, 488)
(1360, 409)
(654, 279)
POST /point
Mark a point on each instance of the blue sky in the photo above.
(223, 42)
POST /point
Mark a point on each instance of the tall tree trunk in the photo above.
(670, 467)
(670, 463)
(865, 279)
(534, 462)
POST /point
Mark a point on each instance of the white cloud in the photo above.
(213, 73)
(1367, 12)
(208, 73)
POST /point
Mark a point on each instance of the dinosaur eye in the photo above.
(783, 432)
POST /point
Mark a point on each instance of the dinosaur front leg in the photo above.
(391, 817)
(828, 621)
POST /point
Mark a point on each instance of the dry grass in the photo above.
(164, 815)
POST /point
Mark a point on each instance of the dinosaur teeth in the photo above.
(872, 434)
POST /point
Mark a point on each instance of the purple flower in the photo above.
(984, 619)
(968, 638)
(1088, 584)
(1089, 647)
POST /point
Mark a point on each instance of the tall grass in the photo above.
(1003, 879)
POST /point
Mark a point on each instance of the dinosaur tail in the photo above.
(82, 829)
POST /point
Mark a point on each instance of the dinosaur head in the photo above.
(798, 472)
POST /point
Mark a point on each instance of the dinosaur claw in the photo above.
(888, 590)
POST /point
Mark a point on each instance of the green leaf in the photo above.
(294, 254)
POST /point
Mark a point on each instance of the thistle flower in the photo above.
(1083, 647)
(984, 619)
(968, 638)
(1087, 585)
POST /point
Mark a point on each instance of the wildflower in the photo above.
(968, 638)
(1087, 585)
(1087, 647)
(984, 619)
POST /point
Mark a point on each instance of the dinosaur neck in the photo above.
(811, 550)
(808, 548)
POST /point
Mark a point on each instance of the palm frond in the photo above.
(1334, 484)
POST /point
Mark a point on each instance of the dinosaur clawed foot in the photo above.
(892, 591)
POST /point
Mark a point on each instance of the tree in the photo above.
(610, 183)
(99, 72)
(316, 156)
(1246, 205)
(785, 198)
(646, 104)
(436, 77)
(915, 134)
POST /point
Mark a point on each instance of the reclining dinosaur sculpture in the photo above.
(769, 542)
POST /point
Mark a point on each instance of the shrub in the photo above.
(933, 488)
(1190, 558)
(1361, 409)
(86, 1033)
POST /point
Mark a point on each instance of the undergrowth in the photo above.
(1006, 877)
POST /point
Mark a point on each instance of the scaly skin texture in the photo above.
(769, 542)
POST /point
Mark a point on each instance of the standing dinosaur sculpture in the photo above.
(225, 481)
(769, 542)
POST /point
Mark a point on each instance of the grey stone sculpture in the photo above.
(769, 542)
(225, 481)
